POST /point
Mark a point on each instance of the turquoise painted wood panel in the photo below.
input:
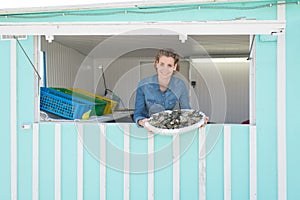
(69, 136)
(5, 120)
(163, 158)
(138, 163)
(163, 183)
(215, 166)
(24, 162)
(266, 66)
(91, 164)
(292, 99)
(25, 83)
(25, 114)
(189, 165)
(266, 108)
(46, 161)
(229, 11)
(240, 170)
(115, 162)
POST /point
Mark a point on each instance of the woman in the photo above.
(162, 91)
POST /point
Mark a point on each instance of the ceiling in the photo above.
(193, 46)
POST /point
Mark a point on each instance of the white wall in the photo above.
(122, 77)
(64, 66)
(229, 82)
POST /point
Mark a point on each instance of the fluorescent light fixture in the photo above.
(219, 60)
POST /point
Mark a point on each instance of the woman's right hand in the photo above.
(142, 122)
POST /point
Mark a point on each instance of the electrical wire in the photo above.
(104, 82)
(106, 90)
(142, 10)
(105, 85)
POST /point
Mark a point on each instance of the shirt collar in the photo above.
(171, 85)
(155, 84)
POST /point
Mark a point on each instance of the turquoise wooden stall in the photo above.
(77, 160)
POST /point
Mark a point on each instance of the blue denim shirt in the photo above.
(150, 99)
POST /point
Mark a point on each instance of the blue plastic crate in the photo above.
(63, 105)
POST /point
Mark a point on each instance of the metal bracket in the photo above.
(12, 37)
(279, 32)
(182, 38)
(49, 38)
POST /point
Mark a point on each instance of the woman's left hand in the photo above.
(205, 122)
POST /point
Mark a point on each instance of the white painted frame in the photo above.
(176, 167)
(281, 108)
(35, 162)
(180, 28)
(57, 164)
(233, 27)
(13, 121)
(126, 142)
(202, 162)
(80, 141)
(150, 167)
(102, 169)
(252, 83)
(37, 47)
(227, 162)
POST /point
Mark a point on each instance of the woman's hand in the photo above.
(205, 122)
(142, 122)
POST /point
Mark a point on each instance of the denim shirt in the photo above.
(150, 99)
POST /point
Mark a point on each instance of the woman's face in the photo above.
(165, 67)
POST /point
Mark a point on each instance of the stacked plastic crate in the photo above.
(72, 105)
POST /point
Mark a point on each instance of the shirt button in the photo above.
(163, 95)
(163, 103)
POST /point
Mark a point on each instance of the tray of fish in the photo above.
(170, 122)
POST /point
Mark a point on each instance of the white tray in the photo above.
(178, 130)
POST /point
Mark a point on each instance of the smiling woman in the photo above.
(161, 91)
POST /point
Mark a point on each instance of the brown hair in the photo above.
(167, 53)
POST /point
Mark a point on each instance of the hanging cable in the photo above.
(143, 10)
(106, 90)
(104, 82)
(37, 73)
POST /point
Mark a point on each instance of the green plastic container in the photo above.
(99, 104)
(110, 106)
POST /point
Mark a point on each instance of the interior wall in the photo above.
(122, 76)
(63, 66)
(217, 77)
